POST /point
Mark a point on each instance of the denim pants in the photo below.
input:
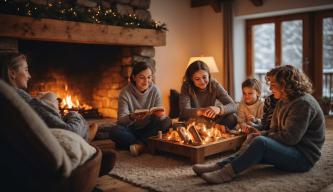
(268, 151)
(229, 120)
(125, 136)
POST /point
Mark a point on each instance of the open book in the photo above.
(149, 111)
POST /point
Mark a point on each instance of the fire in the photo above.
(69, 103)
(197, 134)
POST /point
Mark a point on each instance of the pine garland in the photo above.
(61, 11)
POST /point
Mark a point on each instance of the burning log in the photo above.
(196, 136)
(183, 134)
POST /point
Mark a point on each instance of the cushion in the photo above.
(77, 149)
(174, 104)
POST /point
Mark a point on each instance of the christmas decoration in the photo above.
(73, 12)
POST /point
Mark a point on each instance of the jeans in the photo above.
(268, 151)
(229, 120)
(125, 136)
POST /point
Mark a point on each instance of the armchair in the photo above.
(32, 158)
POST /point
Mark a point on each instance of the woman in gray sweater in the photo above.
(295, 138)
(202, 96)
(14, 70)
(134, 127)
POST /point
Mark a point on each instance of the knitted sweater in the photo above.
(269, 106)
(188, 103)
(255, 109)
(299, 123)
(73, 121)
(130, 99)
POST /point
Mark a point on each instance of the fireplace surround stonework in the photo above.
(91, 61)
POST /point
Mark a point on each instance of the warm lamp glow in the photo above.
(210, 61)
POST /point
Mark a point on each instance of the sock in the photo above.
(203, 168)
(223, 175)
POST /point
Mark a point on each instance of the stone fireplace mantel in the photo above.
(27, 28)
(102, 52)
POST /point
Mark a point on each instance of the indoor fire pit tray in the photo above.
(197, 153)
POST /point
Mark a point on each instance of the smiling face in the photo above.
(200, 79)
(250, 95)
(276, 89)
(19, 75)
(143, 79)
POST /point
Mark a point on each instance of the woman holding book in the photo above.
(202, 95)
(140, 111)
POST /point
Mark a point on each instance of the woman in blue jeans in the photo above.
(294, 140)
(133, 128)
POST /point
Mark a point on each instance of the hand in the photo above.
(250, 118)
(210, 111)
(254, 131)
(159, 113)
(245, 128)
(137, 116)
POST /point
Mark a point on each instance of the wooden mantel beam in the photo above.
(28, 28)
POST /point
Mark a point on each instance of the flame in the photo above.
(73, 103)
(206, 134)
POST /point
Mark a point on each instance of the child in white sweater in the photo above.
(250, 110)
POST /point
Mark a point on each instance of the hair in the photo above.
(294, 82)
(9, 60)
(193, 68)
(252, 83)
(138, 67)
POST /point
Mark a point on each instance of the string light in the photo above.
(59, 10)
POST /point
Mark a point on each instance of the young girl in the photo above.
(296, 135)
(250, 111)
(133, 128)
(203, 96)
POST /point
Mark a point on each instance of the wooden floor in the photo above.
(111, 184)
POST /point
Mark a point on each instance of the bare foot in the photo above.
(92, 132)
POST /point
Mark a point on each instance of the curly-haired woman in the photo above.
(293, 142)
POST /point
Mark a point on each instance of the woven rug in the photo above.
(166, 172)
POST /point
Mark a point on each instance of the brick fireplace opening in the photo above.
(90, 74)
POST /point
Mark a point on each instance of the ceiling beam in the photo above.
(215, 4)
(257, 2)
(199, 3)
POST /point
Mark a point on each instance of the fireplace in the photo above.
(91, 70)
(89, 62)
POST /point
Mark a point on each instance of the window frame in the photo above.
(277, 20)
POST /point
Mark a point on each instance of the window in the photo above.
(289, 39)
(324, 53)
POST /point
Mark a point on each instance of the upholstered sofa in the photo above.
(32, 159)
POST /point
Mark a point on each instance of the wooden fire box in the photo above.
(198, 153)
